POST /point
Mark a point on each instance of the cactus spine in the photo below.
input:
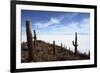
(75, 43)
(29, 41)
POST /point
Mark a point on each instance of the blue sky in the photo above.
(58, 26)
(51, 22)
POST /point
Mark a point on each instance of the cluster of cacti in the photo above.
(75, 43)
(29, 41)
(32, 46)
(38, 50)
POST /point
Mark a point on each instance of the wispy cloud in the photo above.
(51, 22)
(59, 26)
(59, 22)
(80, 27)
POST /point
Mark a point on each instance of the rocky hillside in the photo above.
(45, 52)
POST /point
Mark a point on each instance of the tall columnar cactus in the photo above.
(75, 43)
(61, 45)
(29, 41)
(35, 38)
(54, 48)
(66, 47)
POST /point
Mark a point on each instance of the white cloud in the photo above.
(85, 24)
(74, 26)
(71, 15)
(80, 27)
(52, 21)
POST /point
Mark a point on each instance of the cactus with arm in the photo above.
(75, 43)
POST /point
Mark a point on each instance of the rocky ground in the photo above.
(45, 52)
